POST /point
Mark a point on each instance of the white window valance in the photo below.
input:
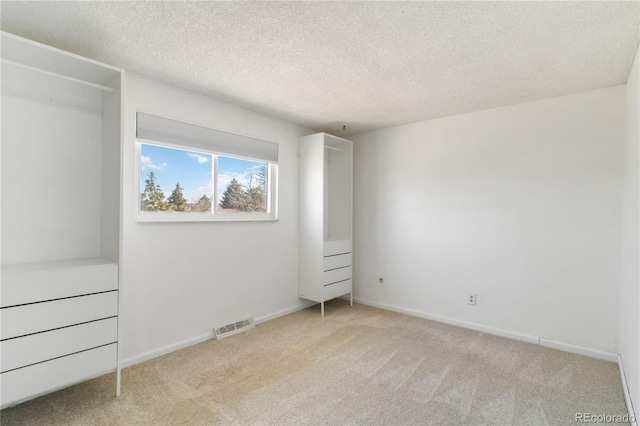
(166, 130)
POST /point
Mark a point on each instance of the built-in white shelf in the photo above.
(21, 268)
(326, 192)
(60, 227)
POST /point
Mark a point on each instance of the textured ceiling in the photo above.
(361, 64)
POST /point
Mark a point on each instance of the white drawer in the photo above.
(336, 290)
(35, 380)
(337, 261)
(27, 319)
(331, 247)
(21, 285)
(27, 350)
(336, 275)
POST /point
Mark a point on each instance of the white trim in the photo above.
(191, 219)
(214, 188)
(627, 396)
(593, 353)
(120, 235)
(203, 338)
(580, 350)
(167, 349)
(447, 320)
(287, 311)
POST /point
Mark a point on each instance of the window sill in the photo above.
(179, 218)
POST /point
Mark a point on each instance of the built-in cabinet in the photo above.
(326, 211)
(60, 230)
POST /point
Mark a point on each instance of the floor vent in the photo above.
(233, 328)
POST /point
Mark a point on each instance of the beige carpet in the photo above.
(358, 365)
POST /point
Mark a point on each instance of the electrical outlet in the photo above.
(472, 299)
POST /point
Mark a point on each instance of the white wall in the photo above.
(50, 138)
(629, 291)
(521, 205)
(179, 280)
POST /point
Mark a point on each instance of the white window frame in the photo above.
(214, 216)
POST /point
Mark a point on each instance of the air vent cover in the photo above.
(233, 328)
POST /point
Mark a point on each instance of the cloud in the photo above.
(225, 178)
(205, 189)
(201, 158)
(202, 190)
(148, 164)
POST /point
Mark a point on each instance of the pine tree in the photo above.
(234, 197)
(176, 200)
(153, 197)
(203, 205)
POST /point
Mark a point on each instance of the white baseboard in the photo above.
(295, 308)
(204, 337)
(627, 396)
(166, 349)
(447, 320)
(593, 353)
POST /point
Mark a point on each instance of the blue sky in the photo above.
(192, 170)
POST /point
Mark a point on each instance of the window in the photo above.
(188, 182)
(242, 185)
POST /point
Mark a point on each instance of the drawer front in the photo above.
(337, 261)
(38, 286)
(35, 380)
(27, 319)
(336, 290)
(39, 347)
(332, 247)
(332, 277)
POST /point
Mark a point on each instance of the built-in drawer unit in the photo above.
(325, 213)
(338, 289)
(336, 247)
(35, 282)
(37, 379)
(37, 317)
(59, 326)
(336, 275)
(39, 347)
(337, 261)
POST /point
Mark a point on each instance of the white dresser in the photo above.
(59, 326)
